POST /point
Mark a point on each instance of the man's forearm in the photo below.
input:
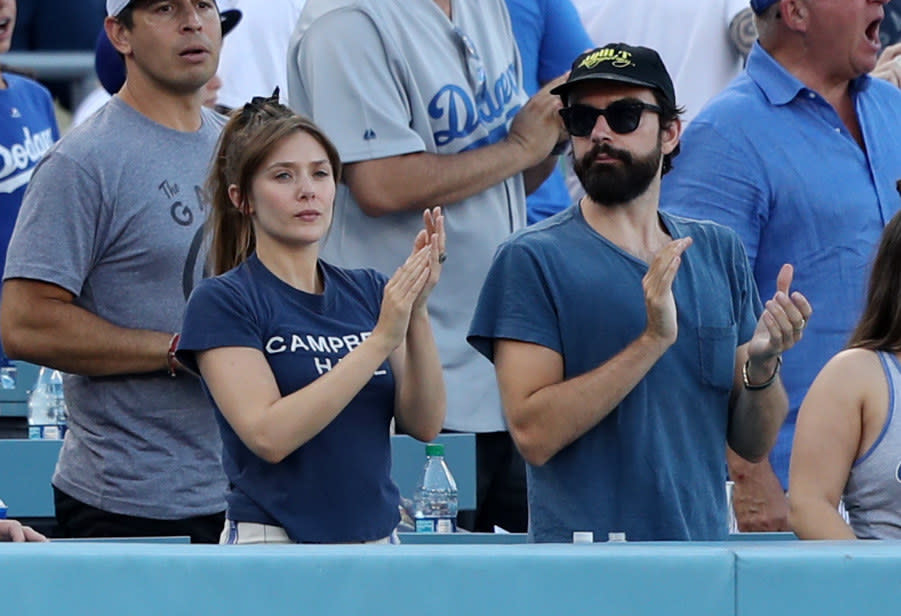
(59, 334)
(417, 181)
(554, 416)
(756, 416)
(757, 496)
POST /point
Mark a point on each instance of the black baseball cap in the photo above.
(623, 63)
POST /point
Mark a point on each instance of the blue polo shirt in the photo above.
(771, 159)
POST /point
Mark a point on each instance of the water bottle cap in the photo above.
(434, 449)
(583, 536)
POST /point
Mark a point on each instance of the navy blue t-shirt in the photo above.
(337, 487)
(655, 467)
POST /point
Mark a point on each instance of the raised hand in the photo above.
(783, 321)
(434, 237)
(658, 290)
(401, 292)
(538, 127)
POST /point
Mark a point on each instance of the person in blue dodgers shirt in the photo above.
(27, 130)
(800, 156)
(630, 344)
(425, 102)
(307, 363)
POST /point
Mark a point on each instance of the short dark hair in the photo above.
(669, 113)
(126, 16)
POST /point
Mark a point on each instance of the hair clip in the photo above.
(258, 103)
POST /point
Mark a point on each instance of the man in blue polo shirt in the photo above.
(800, 156)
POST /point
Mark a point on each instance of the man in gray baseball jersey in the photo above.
(426, 106)
(105, 251)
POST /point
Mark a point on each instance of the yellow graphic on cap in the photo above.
(617, 57)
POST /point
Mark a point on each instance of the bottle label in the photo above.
(51, 432)
(436, 525)
(8, 377)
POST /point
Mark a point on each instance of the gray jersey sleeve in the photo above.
(357, 94)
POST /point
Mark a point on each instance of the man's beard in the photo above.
(611, 184)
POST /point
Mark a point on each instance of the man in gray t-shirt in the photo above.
(103, 257)
(426, 107)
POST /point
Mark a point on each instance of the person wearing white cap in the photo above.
(800, 156)
(104, 254)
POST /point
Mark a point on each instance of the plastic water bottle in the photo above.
(47, 407)
(3, 510)
(7, 375)
(435, 500)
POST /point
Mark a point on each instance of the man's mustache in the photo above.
(608, 150)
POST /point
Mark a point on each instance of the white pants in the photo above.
(248, 533)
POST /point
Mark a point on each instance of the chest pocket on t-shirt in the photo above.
(716, 350)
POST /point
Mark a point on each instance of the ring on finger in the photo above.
(442, 257)
(802, 325)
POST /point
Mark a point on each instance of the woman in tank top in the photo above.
(847, 443)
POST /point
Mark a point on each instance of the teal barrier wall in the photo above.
(154, 580)
(788, 578)
(819, 578)
(26, 467)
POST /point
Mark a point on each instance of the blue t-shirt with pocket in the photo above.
(654, 468)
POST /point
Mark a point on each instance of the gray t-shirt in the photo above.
(114, 215)
(409, 84)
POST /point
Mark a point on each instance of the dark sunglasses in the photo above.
(623, 116)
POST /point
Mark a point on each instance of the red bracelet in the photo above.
(170, 355)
